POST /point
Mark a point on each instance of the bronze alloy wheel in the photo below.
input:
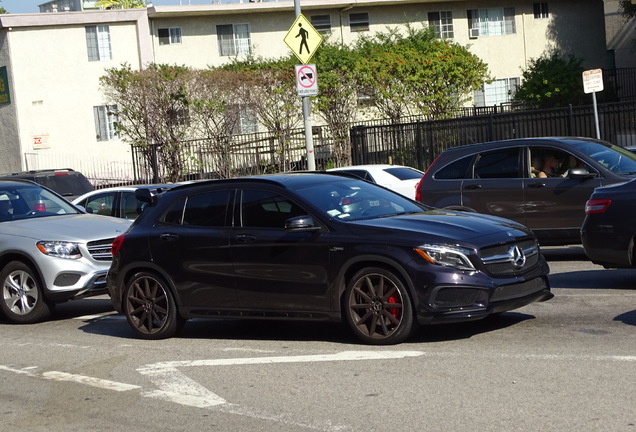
(150, 308)
(378, 307)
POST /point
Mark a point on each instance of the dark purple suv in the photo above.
(506, 178)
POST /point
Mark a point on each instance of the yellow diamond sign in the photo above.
(303, 39)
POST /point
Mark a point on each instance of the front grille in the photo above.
(455, 297)
(505, 260)
(100, 250)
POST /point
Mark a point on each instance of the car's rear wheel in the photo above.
(150, 307)
(23, 299)
(378, 307)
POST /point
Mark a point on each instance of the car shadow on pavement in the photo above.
(621, 279)
(219, 329)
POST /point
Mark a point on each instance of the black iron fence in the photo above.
(415, 143)
(418, 143)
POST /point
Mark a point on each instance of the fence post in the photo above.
(357, 144)
(570, 120)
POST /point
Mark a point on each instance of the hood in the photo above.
(457, 226)
(77, 228)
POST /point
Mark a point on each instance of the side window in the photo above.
(131, 206)
(498, 164)
(266, 209)
(359, 22)
(102, 204)
(207, 209)
(455, 170)
(548, 162)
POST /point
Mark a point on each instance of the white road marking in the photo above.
(93, 382)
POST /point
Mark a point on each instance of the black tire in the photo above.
(150, 308)
(22, 300)
(378, 307)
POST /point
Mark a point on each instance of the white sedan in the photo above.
(399, 178)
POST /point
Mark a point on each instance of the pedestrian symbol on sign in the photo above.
(303, 39)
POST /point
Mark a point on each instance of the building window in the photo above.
(541, 11)
(178, 117)
(169, 36)
(322, 23)
(498, 92)
(442, 22)
(359, 22)
(242, 119)
(234, 39)
(491, 22)
(98, 43)
(105, 119)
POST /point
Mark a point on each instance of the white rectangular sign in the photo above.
(593, 80)
(306, 80)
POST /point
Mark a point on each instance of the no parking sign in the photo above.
(306, 80)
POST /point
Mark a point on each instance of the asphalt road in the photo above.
(564, 365)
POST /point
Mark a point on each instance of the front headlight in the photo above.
(60, 249)
(448, 256)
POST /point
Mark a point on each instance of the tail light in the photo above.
(117, 243)
(418, 186)
(40, 207)
(597, 205)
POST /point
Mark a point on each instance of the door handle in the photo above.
(245, 238)
(536, 185)
(169, 237)
(472, 186)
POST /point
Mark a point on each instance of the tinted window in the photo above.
(204, 209)
(364, 175)
(102, 204)
(456, 170)
(266, 209)
(404, 173)
(66, 184)
(498, 164)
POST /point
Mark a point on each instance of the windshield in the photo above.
(26, 201)
(355, 199)
(614, 158)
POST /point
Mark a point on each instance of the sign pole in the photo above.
(592, 83)
(309, 137)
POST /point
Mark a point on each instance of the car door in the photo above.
(275, 268)
(557, 203)
(192, 245)
(496, 186)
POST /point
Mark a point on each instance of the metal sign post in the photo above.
(303, 39)
(592, 83)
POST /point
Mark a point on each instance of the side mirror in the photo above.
(145, 195)
(580, 173)
(301, 223)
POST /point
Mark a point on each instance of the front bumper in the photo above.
(457, 303)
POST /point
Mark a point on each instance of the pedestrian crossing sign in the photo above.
(303, 39)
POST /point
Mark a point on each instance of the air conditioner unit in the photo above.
(473, 33)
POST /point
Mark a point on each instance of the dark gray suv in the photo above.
(542, 183)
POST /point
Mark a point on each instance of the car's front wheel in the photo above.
(150, 307)
(23, 299)
(378, 307)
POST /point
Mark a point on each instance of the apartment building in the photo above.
(56, 115)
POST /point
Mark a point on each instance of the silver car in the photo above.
(50, 251)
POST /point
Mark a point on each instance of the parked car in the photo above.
(502, 178)
(399, 178)
(317, 246)
(118, 201)
(50, 251)
(609, 229)
(66, 182)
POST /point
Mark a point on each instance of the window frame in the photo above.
(480, 25)
(234, 45)
(98, 42)
(439, 21)
(323, 27)
(105, 117)
(360, 23)
(173, 35)
(488, 92)
(541, 10)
